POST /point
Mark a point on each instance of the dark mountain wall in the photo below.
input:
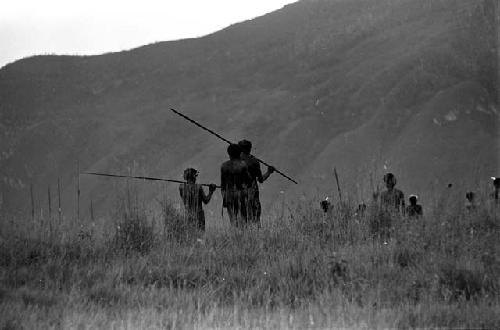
(363, 85)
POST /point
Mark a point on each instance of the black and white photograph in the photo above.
(237, 164)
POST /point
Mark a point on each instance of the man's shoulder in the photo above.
(251, 160)
(189, 186)
(234, 164)
(240, 163)
(227, 164)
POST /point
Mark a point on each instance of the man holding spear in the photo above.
(254, 207)
(236, 178)
(193, 196)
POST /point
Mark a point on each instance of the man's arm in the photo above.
(206, 198)
(258, 172)
(270, 170)
(402, 201)
(246, 176)
(223, 180)
(181, 191)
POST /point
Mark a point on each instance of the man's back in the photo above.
(414, 210)
(235, 181)
(392, 200)
(253, 168)
(235, 175)
(192, 197)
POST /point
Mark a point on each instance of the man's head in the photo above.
(413, 200)
(190, 174)
(234, 151)
(245, 146)
(496, 182)
(390, 180)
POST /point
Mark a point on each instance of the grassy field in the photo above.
(306, 270)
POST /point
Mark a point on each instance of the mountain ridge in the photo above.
(299, 82)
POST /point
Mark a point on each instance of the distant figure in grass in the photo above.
(414, 210)
(470, 201)
(495, 194)
(326, 205)
(392, 200)
(361, 209)
(391, 203)
(254, 207)
(235, 183)
(193, 196)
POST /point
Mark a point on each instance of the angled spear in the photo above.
(141, 178)
(229, 142)
(338, 183)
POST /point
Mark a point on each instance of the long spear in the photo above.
(229, 142)
(141, 178)
(338, 183)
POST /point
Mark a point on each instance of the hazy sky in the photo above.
(29, 27)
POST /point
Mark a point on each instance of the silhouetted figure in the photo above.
(254, 207)
(392, 200)
(235, 181)
(470, 201)
(495, 194)
(326, 205)
(361, 209)
(193, 196)
(414, 210)
(391, 203)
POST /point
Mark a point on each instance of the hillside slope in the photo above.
(356, 84)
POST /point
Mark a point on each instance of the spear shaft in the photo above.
(141, 178)
(338, 183)
(229, 142)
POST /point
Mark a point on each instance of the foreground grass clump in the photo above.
(307, 270)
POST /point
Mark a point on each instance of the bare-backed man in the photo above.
(235, 181)
(414, 210)
(193, 196)
(392, 200)
(392, 203)
(254, 206)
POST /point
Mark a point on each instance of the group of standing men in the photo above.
(240, 178)
(389, 201)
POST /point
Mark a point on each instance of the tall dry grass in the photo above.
(305, 270)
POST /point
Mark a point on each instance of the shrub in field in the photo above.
(132, 230)
(458, 282)
(176, 226)
(133, 233)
